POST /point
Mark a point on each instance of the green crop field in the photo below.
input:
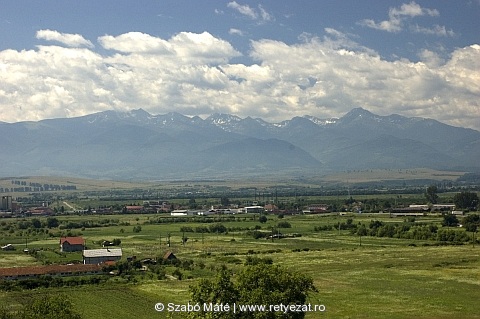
(356, 277)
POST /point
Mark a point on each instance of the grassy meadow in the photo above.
(367, 277)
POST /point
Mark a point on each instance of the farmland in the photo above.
(356, 277)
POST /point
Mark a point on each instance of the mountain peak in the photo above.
(139, 113)
(221, 119)
(358, 112)
(358, 115)
(321, 122)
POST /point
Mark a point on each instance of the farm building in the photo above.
(8, 247)
(50, 270)
(254, 209)
(134, 208)
(317, 209)
(169, 256)
(412, 210)
(98, 256)
(179, 212)
(69, 244)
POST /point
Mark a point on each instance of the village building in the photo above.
(70, 244)
(443, 207)
(317, 209)
(254, 209)
(99, 256)
(134, 208)
(8, 247)
(7, 203)
(271, 208)
(169, 256)
(40, 211)
(179, 212)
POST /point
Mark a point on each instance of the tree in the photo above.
(431, 194)
(262, 219)
(225, 201)
(259, 284)
(471, 223)
(284, 224)
(50, 307)
(450, 220)
(467, 200)
(52, 222)
(192, 204)
(36, 223)
(362, 230)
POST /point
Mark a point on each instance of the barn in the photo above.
(99, 256)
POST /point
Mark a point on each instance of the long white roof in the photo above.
(111, 252)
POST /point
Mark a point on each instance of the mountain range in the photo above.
(137, 145)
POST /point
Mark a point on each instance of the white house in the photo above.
(254, 209)
(179, 212)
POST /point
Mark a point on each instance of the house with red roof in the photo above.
(69, 244)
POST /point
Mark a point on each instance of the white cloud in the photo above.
(398, 18)
(135, 42)
(185, 45)
(193, 74)
(70, 40)
(264, 14)
(412, 9)
(243, 9)
(435, 30)
(260, 15)
(202, 47)
(430, 58)
(236, 32)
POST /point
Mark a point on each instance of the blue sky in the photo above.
(270, 59)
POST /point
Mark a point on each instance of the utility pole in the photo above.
(473, 234)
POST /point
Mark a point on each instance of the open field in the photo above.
(379, 175)
(80, 183)
(347, 178)
(381, 278)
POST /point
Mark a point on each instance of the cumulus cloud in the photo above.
(184, 45)
(135, 42)
(259, 14)
(70, 40)
(398, 18)
(194, 74)
(430, 58)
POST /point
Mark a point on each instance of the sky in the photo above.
(269, 59)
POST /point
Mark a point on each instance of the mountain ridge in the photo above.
(138, 145)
